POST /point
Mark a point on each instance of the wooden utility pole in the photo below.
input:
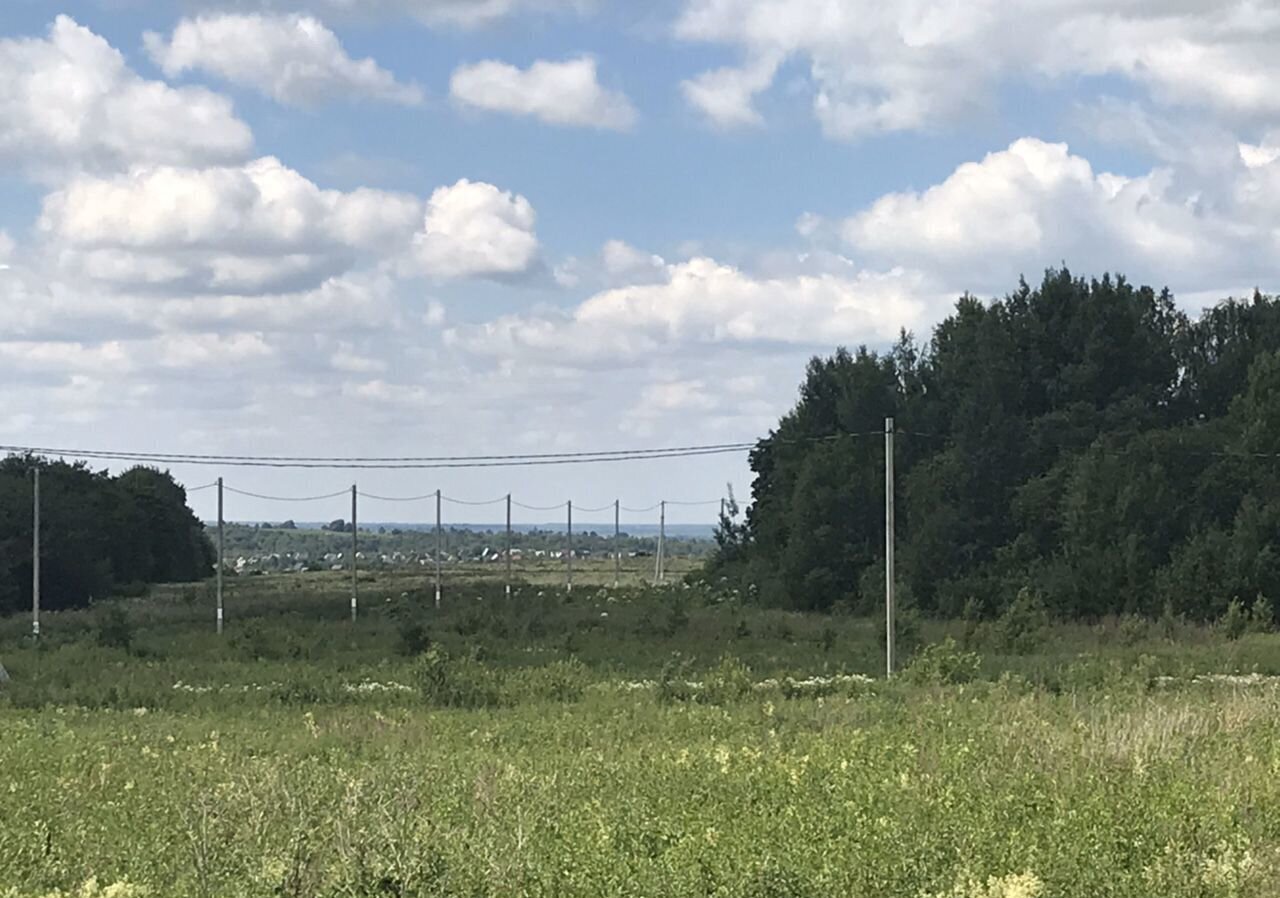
(508, 545)
(617, 543)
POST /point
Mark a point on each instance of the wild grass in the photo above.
(639, 743)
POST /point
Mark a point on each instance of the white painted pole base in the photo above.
(437, 597)
(353, 608)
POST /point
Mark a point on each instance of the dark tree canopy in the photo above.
(98, 533)
(1083, 438)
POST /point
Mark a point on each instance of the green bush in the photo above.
(412, 638)
(1024, 625)
(114, 629)
(729, 682)
(943, 663)
(457, 682)
(673, 681)
(1234, 623)
(1262, 617)
(559, 681)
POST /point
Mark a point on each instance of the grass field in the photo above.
(641, 742)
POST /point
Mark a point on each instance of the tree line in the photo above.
(1083, 441)
(100, 534)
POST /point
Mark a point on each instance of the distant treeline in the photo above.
(99, 534)
(1083, 444)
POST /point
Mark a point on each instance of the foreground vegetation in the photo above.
(640, 743)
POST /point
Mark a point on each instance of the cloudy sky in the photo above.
(428, 227)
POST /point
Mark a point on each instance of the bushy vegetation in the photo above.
(102, 535)
(732, 751)
(1083, 440)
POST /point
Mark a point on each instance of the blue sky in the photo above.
(478, 226)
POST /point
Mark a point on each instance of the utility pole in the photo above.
(355, 546)
(508, 545)
(221, 550)
(568, 552)
(661, 561)
(617, 543)
(889, 610)
(35, 554)
(439, 538)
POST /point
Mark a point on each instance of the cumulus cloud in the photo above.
(704, 303)
(69, 100)
(558, 93)
(1036, 204)
(617, 263)
(878, 67)
(447, 13)
(294, 59)
(473, 229)
(260, 227)
(726, 96)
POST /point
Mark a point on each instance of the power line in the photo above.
(421, 462)
(231, 489)
(431, 495)
(539, 507)
(497, 501)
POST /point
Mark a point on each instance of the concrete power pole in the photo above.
(221, 551)
(355, 547)
(568, 550)
(889, 609)
(617, 543)
(35, 554)
(508, 545)
(439, 547)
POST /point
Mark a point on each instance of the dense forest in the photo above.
(99, 534)
(1082, 442)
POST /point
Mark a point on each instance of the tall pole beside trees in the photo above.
(617, 543)
(35, 553)
(568, 551)
(355, 547)
(439, 547)
(221, 550)
(508, 545)
(889, 609)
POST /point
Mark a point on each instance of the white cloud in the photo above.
(294, 59)
(703, 303)
(473, 229)
(559, 93)
(447, 13)
(617, 263)
(261, 227)
(726, 96)
(7, 248)
(878, 67)
(70, 101)
(1036, 205)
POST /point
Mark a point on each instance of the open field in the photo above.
(552, 745)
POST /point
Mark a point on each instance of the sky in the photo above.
(458, 227)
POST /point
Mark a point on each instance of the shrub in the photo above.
(1234, 623)
(1262, 617)
(729, 682)
(1023, 627)
(673, 681)
(1131, 630)
(413, 638)
(559, 681)
(455, 682)
(114, 629)
(943, 663)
